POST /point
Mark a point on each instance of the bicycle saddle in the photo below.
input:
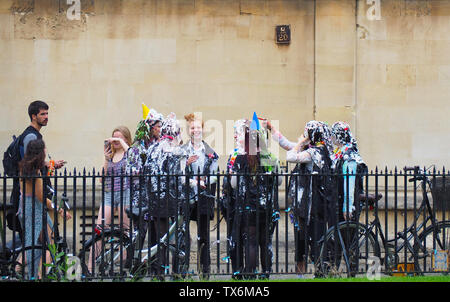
(137, 211)
(370, 198)
(7, 251)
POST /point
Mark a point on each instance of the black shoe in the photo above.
(204, 276)
(237, 276)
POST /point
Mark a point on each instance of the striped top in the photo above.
(113, 174)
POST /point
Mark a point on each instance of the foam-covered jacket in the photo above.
(164, 170)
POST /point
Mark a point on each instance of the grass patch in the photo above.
(436, 278)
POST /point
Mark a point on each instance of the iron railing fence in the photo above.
(252, 229)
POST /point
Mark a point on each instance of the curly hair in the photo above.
(34, 158)
(191, 117)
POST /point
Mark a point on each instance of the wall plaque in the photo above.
(283, 34)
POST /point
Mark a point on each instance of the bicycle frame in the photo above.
(150, 252)
(143, 254)
(412, 231)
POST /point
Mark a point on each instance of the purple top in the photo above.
(114, 172)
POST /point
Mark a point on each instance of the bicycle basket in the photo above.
(440, 191)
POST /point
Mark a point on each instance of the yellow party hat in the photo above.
(145, 111)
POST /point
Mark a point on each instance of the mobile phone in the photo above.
(107, 144)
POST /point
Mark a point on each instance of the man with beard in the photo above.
(38, 112)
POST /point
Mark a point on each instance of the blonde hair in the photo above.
(190, 118)
(126, 134)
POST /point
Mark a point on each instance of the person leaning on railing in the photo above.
(31, 208)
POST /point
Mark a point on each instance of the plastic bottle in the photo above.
(51, 167)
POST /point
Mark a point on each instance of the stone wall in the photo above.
(389, 77)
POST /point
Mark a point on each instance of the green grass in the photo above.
(436, 278)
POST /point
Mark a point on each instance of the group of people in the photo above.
(152, 159)
(326, 184)
(157, 154)
(249, 202)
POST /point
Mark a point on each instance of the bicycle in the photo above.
(350, 242)
(13, 252)
(108, 260)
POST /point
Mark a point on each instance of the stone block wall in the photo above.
(387, 76)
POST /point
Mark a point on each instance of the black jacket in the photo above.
(253, 191)
(308, 193)
(164, 180)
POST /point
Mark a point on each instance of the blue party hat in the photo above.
(255, 122)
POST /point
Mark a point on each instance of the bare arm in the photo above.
(278, 137)
(297, 155)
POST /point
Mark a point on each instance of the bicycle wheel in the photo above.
(18, 267)
(345, 249)
(14, 268)
(180, 256)
(433, 239)
(101, 256)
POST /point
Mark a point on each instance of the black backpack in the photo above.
(328, 185)
(11, 157)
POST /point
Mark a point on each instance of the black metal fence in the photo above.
(250, 230)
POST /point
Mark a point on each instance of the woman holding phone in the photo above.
(116, 186)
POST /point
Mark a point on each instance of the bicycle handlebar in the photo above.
(64, 199)
(415, 169)
(416, 178)
(6, 207)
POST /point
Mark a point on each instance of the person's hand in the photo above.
(303, 139)
(67, 216)
(302, 142)
(107, 152)
(115, 139)
(59, 163)
(192, 159)
(269, 125)
(120, 142)
(265, 123)
(202, 184)
(347, 215)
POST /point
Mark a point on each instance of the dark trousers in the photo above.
(159, 226)
(203, 243)
(249, 234)
(307, 237)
